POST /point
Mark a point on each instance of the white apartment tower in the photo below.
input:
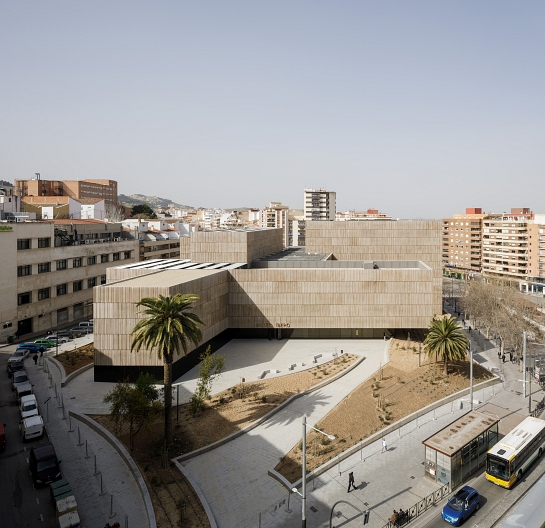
(276, 215)
(319, 205)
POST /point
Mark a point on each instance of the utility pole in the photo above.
(470, 376)
(524, 360)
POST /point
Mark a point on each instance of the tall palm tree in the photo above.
(446, 338)
(168, 327)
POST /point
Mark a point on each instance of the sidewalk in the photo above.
(117, 479)
(233, 477)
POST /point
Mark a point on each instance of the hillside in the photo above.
(153, 201)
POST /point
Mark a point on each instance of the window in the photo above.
(91, 260)
(116, 256)
(77, 286)
(127, 254)
(78, 310)
(103, 279)
(44, 267)
(62, 289)
(62, 315)
(24, 298)
(62, 264)
(44, 242)
(23, 271)
(77, 262)
(91, 283)
(104, 258)
(23, 243)
(44, 293)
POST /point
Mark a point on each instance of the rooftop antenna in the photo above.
(37, 175)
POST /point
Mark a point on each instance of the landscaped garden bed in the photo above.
(399, 389)
(73, 360)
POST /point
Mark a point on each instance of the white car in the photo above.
(18, 355)
(28, 406)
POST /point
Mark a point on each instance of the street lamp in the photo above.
(470, 376)
(304, 480)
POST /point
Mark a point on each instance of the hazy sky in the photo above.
(416, 108)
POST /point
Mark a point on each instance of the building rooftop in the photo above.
(165, 279)
(294, 254)
(461, 432)
(183, 264)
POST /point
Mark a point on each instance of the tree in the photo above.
(143, 210)
(446, 338)
(135, 404)
(211, 368)
(168, 327)
(114, 213)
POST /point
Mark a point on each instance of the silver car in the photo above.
(18, 379)
(18, 355)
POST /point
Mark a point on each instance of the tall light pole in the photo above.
(470, 376)
(524, 360)
(304, 472)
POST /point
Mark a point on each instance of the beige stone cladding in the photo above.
(8, 282)
(234, 245)
(332, 298)
(185, 247)
(381, 240)
(115, 310)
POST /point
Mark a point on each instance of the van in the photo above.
(43, 464)
(28, 406)
(86, 323)
(2, 437)
(22, 391)
(32, 428)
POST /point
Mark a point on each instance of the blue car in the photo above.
(31, 347)
(461, 505)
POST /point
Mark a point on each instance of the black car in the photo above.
(15, 366)
(43, 464)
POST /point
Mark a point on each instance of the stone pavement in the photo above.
(233, 477)
(116, 476)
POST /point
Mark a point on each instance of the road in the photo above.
(21, 505)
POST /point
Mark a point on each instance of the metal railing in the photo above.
(419, 508)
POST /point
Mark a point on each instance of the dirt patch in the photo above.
(399, 389)
(226, 413)
(73, 360)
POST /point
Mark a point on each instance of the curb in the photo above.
(126, 457)
(265, 417)
(386, 430)
(59, 367)
(200, 494)
(65, 380)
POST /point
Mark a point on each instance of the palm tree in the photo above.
(168, 327)
(446, 338)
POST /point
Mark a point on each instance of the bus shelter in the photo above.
(457, 451)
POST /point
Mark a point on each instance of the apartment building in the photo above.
(51, 207)
(276, 215)
(157, 239)
(370, 214)
(536, 255)
(319, 205)
(49, 270)
(462, 242)
(505, 244)
(77, 189)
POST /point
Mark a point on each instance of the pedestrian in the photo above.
(35, 358)
(470, 329)
(42, 351)
(384, 446)
(351, 481)
(511, 357)
(503, 358)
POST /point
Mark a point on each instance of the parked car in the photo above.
(59, 338)
(78, 331)
(19, 355)
(32, 428)
(2, 437)
(18, 379)
(43, 464)
(15, 366)
(22, 390)
(86, 323)
(28, 406)
(31, 347)
(461, 505)
(46, 342)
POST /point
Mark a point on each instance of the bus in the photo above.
(514, 453)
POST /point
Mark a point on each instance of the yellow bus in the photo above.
(514, 453)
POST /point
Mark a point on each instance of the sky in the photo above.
(419, 109)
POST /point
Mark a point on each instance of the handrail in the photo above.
(333, 508)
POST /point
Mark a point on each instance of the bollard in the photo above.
(112, 514)
(63, 413)
(451, 405)
(70, 430)
(50, 381)
(79, 437)
(399, 432)
(56, 394)
(59, 400)
(434, 415)
(86, 450)
(96, 472)
(126, 521)
(287, 510)
(101, 490)
(417, 422)
(259, 519)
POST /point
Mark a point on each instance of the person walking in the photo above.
(384, 446)
(351, 481)
(35, 358)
